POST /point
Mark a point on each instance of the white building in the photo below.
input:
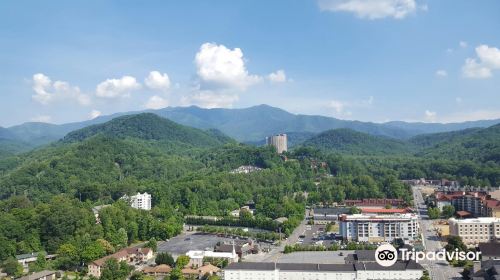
(378, 228)
(196, 257)
(140, 201)
(477, 230)
(303, 271)
(278, 141)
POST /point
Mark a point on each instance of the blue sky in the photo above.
(377, 60)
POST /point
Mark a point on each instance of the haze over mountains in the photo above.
(251, 124)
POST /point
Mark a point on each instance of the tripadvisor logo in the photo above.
(386, 255)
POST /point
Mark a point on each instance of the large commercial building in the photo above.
(196, 257)
(278, 141)
(477, 230)
(378, 228)
(302, 271)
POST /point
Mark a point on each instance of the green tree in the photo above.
(40, 263)
(114, 270)
(12, 267)
(448, 211)
(434, 213)
(354, 210)
(67, 257)
(176, 274)
(182, 261)
(164, 258)
(152, 244)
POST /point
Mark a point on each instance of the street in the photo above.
(439, 270)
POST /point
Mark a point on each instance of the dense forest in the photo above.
(47, 195)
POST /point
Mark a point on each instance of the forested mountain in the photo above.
(348, 141)
(432, 139)
(251, 124)
(149, 126)
(479, 145)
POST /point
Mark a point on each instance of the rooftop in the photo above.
(321, 267)
(490, 249)
(480, 220)
(37, 275)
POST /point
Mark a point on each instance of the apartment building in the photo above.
(279, 142)
(378, 228)
(478, 204)
(139, 201)
(476, 230)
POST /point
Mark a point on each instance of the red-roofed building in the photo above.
(478, 204)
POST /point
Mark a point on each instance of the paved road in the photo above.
(439, 270)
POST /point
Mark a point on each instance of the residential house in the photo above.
(42, 275)
(129, 255)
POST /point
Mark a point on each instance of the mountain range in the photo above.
(249, 125)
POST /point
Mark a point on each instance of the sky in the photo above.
(368, 60)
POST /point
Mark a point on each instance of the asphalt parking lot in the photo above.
(316, 235)
(184, 242)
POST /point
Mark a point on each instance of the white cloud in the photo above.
(441, 73)
(337, 105)
(210, 99)
(372, 9)
(156, 102)
(157, 81)
(488, 59)
(122, 87)
(94, 114)
(42, 118)
(463, 44)
(220, 67)
(47, 91)
(430, 116)
(277, 77)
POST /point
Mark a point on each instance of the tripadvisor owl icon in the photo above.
(386, 255)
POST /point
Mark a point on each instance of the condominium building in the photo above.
(309, 271)
(378, 228)
(278, 141)
(477, 230)
(140, 201)
(478, 204)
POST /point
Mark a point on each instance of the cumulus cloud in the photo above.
(430, 116)
(112, 88)
(94, 114)
(220, 67)
(42, 118)
(277, 77)
(372, 9)
(47, 91)
(210, 99)
(157, 81)
(156, 102)
(441, 73)
(488, 59)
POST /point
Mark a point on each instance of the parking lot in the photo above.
(184, 242)
(316, 235)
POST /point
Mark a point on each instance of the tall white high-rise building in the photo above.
(141, 201)
(278, 141)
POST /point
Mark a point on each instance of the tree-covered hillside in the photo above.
(149, 126)
(347, 141)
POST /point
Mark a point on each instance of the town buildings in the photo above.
(42, 275)
(378, 228)
(279, 142)
(476, 230)
(303, 271)
(375, 202)
(129, 255)
(196, 257)
(478, 204)
(26, 259)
